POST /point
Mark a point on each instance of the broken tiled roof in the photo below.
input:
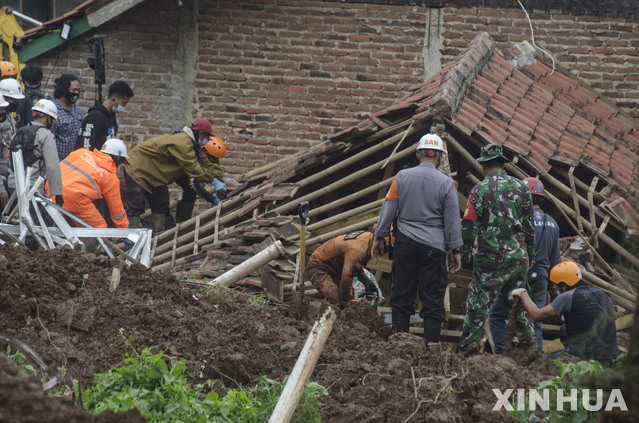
(541, 115)
(57, 22)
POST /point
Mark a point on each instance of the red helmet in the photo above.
(203, 125)
(535, 186)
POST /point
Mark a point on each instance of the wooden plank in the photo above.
(620, 324)
(383, 265)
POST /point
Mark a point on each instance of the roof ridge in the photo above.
(456, 80)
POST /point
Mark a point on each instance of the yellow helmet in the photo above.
(567, 272)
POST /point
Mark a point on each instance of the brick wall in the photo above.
(275, 77)
(141, 48)
(602, 52)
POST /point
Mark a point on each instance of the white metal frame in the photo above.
(62, 233)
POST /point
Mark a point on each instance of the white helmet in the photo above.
(3, 102)
(115, 147)
(431, 142)
(47, 107)
(11, 88)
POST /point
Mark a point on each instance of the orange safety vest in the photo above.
(89, 175)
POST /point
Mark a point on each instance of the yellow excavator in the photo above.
(9, 31)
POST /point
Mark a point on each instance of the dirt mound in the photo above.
(59, 304)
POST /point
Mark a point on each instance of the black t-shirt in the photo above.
(590, 323)
(97, 126)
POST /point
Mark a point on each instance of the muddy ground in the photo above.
(59, 304)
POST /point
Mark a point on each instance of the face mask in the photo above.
(3, 117)
(118, 108)
(12, 107)
(34, 92)
(72, 97)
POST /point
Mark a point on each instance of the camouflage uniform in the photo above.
(499, 214)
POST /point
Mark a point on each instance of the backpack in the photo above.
(24, 140)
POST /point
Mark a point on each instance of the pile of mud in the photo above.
(59, 304)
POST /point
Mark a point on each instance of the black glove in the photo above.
(59, 200)
(199, 188)
(467, 260)
(365, 281)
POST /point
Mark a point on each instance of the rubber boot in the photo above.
(134, 221)
(183, 211)
(401, 323)
(158, 222)
(432, 330)
(169, 222)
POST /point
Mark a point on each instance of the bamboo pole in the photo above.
(184, 241)
(341, 231)
(267, 167)
(595, 280)
(605, 238)
(162, 243)
(358, 157)
(553, 181)
(303, 369)
(188, 237)
(568, 211)
(188, 225)
(345, 215)
(246, 267)
(351, 197)
(342, 182)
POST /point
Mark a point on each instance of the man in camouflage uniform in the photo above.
(499, 214)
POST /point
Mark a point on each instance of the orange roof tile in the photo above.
(540, 115)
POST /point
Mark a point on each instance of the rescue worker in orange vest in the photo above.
(335, 263)
(89, 175)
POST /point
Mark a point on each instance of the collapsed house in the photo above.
(551, 126)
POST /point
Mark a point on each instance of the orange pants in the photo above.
(84, 208)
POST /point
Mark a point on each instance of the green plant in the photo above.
(61, 390)
(156, 385)
(570, 375)
(20, 360)
(258, 300)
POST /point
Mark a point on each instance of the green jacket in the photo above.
(213, 170)
(162, 160)
(499, 214)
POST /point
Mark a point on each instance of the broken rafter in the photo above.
(286, 207)
(560, 205)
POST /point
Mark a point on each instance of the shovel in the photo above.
(303, 210)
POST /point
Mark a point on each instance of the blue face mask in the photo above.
(203, 142)
(34, 92)
(118, 108)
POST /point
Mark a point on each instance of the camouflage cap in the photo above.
(490, 152)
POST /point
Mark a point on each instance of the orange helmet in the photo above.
(567, 272)
(8, 69)
(215, 147)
